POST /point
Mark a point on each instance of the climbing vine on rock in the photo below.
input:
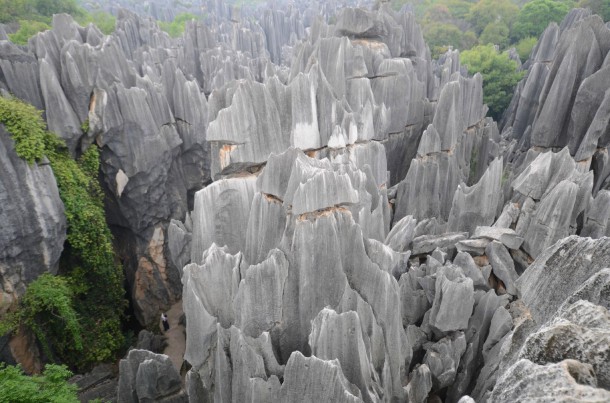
(27, 129)
(88, 264)
(47, 310)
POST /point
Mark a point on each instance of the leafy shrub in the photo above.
(106, 22)
(93, 279)
(440, 36)
(536, 15)
(89, 261)
(495, 34)
(50, 387)
(27, 129)
(27, 29)
(500, 76)
(38, 10)
(47, 310)
(524, 47)
(175, 28)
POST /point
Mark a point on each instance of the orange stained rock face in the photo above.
(224, 155)
(312, 153)
(371, 44)
(146, 279)
(24, 349)
(92, 102)
(322, 213)
(481, 261)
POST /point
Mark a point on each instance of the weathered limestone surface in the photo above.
(221, 214)
(553, 192)
(566, 381)
(338, 216)
(477, 205)
(389, 255)
(444, 155)
(315, 380)
(580, 332)
(563, 100)
(146, 376)
(317, 257)
(560, 342)
(33, 222)
(559, 272)
(131, 93)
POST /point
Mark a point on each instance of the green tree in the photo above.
(524, 47)
(50, 7)
(13, 10)
(459, 9)
(47, 309)
(106, 22)
(24, 123)
(440, 37)
(495, 34)
(175, 28)
(536, 15)
(500, 76)
(487, 12)
(50, 387)
(37, 10)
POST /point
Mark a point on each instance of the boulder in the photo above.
(560, 271)
(144, 375)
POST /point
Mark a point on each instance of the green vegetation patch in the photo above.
(39, 10)
(50, 387)
(106, 22)
(47, 310)
(35, 16)
(500, 76)
(536, 15)
(27, 29)
(92, 277)
(176, 28)
(27, 129)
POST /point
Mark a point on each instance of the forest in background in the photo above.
(483, 31)
(463, 24)
(459, 24)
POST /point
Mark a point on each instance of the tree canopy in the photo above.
(536, 15)
(500, 76)
(37, 10)
(50, 387)
(176, 27)
(492, 12)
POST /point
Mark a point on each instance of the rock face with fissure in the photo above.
(292, 250)
(33, 222)
(128, 93)
(563, 101)
(389, 304)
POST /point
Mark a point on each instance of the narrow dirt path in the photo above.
(176, 342)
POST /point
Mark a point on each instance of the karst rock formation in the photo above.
(339, 217)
